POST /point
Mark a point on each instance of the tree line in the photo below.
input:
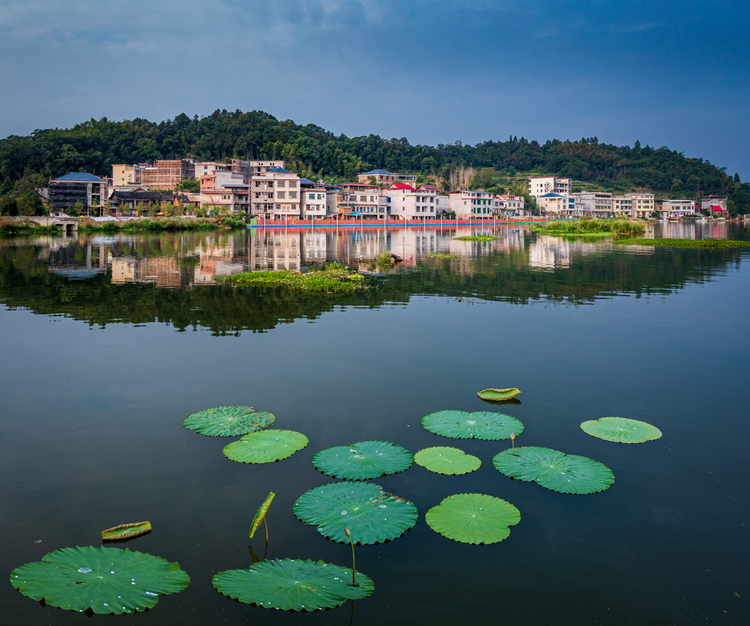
(28, 162)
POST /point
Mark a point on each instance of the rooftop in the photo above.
(278, 170)
(377, 173)
(80, 177)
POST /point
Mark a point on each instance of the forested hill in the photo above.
(95, 145)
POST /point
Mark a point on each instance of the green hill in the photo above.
(93, 146)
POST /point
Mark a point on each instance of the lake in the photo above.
(109, 342)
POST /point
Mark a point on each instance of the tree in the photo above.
(190, 184)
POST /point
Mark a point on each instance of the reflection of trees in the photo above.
(26, 282)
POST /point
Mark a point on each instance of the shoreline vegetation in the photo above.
(704, 244)
(334, 278)
(161, 224)
(12, 228)
(592, 227)
(477, 238)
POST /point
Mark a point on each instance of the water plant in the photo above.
(478, 425)
(333, 279)
(293, 585)
(555, 470)
(99, 580)
(473, 518)
(126, 531)
(440, 255)
(589, 225)
(354, 562)
(706, 244)
(372, 515)
(621, 430)
(265, 446)
(260, 516)
(363, 460)
(447, 460)
(499, 394)
(228, 421)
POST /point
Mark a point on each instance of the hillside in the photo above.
(28, 162)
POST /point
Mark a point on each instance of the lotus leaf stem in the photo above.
(354, 569)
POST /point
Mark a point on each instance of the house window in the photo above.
(293, 184)
(292, 194)
(281, 195)
(281, 183)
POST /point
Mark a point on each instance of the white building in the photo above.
(275, 194)
(313, 199)
(677, 208)
(714, 205)
(634, 204)
(541, 185)
(471, 204)
(407, 203)
(513, 205)
(593, 203)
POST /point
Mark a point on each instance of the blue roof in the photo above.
(279, 170)
(306, 181)
(380, 172)
(551, 195)
(81, 177)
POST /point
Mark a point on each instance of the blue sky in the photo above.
(433, 71)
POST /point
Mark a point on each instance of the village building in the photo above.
(471, 204)
(275, 194)
(367, 201)
(408, 203)
(165, 175)
(86, 190)
(593, 203)
(677, 208)
(541, 185)
(384, 177)
(715, 205)
(314, 199)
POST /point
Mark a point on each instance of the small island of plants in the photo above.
(440, 255)
(592, 227)
(333, 278)
(477, 238)
(706, 244)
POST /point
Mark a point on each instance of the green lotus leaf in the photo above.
(126, 531)
(564, 473)
(479, 425)
(293, 585)
(621, 430)
(104, 580)
(228, 421)
(445, 460)
(363, 460)
(371, 515)
(261, 514)
(473, 518)
(265, 446)
(499, 394)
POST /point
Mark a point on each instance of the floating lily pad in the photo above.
(565, 473)
(228, 421)
(499, 395)
(621, 430)
(363, 460)
(479, 425)
(371, 515)
(293, 585)
(265, 446)
(261, 514)
(126, 531)
(473, 518)
(104, 580)
(446, 460)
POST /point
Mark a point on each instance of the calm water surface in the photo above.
(108, 342)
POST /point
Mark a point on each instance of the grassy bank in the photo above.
(590, 226)
(333, 279)
(10, 228)
(162, 224)
(477, 238)
(703, 244)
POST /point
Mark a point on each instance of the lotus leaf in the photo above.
(363, 460)
(104, 580)
(564, 473)
(126, 531)
(446, 460)
(479, 425)
(371, 515)
(265, 446)
(293, 585)
(499, 394)
(621, 430)
(473, 518)
(228, 421)
(261, 514)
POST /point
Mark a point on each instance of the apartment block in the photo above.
(408, 203)
(275, 194)
(634, 204)
(593, 203)
(677, 208)
(467, 204)
(541, 185)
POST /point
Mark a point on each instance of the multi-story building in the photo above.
(369, 201)
(677, 208)
(209, 167)
(384, 177)
(512, 204)
(470, 204)
(553, 203)
(313, 199)
(67, 191)
(123, 175)
(248, 169)
(167, 174)
(408, 203)
(593, 203)
(634, 204)
(716, 206)
(541, 185)
(275, 194)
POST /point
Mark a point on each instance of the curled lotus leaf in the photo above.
(228, 421)
(293, 585)
(265, 446)
(473, 518)
(363, 460)
(261, 514)
(103, 580)
(485, 425)
(447, 460)
(621, 430)
(499, 395)
(126, 531)
(371, 515)
(555, 470)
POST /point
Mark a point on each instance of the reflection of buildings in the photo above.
(549, 252)
(407, 243)
(78, 262)
(274, 250)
